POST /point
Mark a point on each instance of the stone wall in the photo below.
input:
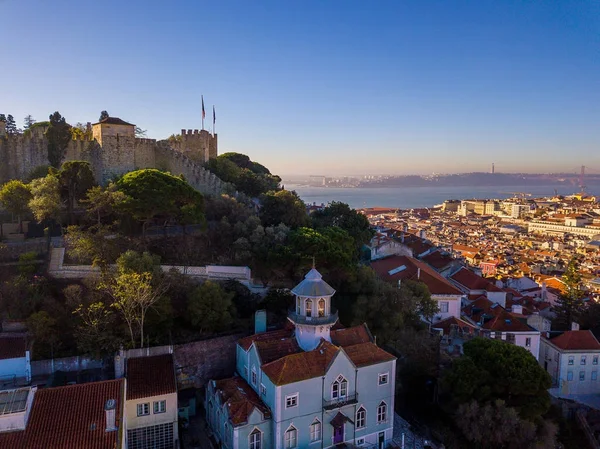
(119, 154)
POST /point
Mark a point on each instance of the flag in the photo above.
(203, 113)
(214, 116)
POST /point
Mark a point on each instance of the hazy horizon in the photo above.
(351, 87)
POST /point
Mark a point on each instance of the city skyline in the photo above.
(410, 88)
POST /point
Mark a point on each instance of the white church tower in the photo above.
(313, 316)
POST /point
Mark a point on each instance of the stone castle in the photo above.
(113, 150)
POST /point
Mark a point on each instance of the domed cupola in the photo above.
(313, 315)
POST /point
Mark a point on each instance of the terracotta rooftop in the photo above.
(69, 417)
(482, 306)
(113, 121)
(472, 281)
(12, 346)
(438, 260)
(414, 270)
(301, 366)
(505, 322)
(278, 334)
(364, 354)
(351, 336)
(150, 376)
(241, 400)
(576, 341)
(446, 325)
(270, 350)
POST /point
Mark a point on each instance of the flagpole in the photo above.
(203, 113)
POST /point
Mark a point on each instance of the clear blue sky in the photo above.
(342, 87)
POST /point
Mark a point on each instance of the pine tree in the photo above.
(103, 115)
(2, 118)
(29, 120)
(11, 125)
(570, 303)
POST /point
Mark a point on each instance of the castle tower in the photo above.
(112, 127)
(116, 137)
(313, 316)
(199, 146)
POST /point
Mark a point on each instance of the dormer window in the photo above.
(321, 307)
(339, 388)
(308, 307)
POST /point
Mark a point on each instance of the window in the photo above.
(361, 418)
(308, 307)
(383, 379)
(381, 412)
(571, 359)
(594, 375)
(263, 390)
(569, 375)
(291, 437)
(360, 441)
(583, 360)
(143, 409)
(255, 439)
(595, 360)
(253, 376)
(510, 338)
(291, 400)
(321, 307)
(581, 376)
(160, 406)
(444, 306)
(160, 436)
(498, 335)
(339, 388)
(528, 342)
(315, 430)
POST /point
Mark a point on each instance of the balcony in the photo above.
(317, 321)
(349, 399)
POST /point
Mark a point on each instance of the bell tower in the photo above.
(313, 315)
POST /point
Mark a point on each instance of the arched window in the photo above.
(339, 388)
(315, 430)
(308, 307)
(361, 418)
(382, 412)
(291, 438)
(321, 307)
(255, 439)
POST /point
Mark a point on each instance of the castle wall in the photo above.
(19, 155)
(198, 145)
(144, 153)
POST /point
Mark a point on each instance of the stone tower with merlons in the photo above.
(313, 316)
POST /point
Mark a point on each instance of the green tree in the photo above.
(28, 264)
(569, 306)
(103, 115)
(3, 118)
(210, 308)
(341, 215)
(493, 369)
(426, 306)
(45, 334)
(15, 197)
(102, 203)
(98, 245)
(97, 333)
(29, 120)
(76, 178)
(283, 207)
(133, 262)
(11, 126)
(45, 202)
(41, 171)
(155, 195)
(139, 132)
(59, 136)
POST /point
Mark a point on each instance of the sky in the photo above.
(324, 87)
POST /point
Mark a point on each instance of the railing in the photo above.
(349, 399)
(302, 319)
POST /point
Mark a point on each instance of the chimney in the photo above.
(110, 410)
(260, 321)
(418, 273)
(574, 326)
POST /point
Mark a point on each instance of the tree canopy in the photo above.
(15, 197)
(283, 207)
(341, 215)
(59, 136)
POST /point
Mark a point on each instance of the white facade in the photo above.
(448, 305)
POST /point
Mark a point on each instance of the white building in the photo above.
(572, 360)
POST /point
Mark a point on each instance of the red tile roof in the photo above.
(446, 325)
(351, 336)
(471, 281)
(576, 341)
(113, 121)
(482, 306)
(150, 376)
(415, 271)
(301, 366)
(246, 342)
(270, 350)
(438, 260)
(241, 400)
(505, 322)
(13, 346)
(364, 354)
(70, 417)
